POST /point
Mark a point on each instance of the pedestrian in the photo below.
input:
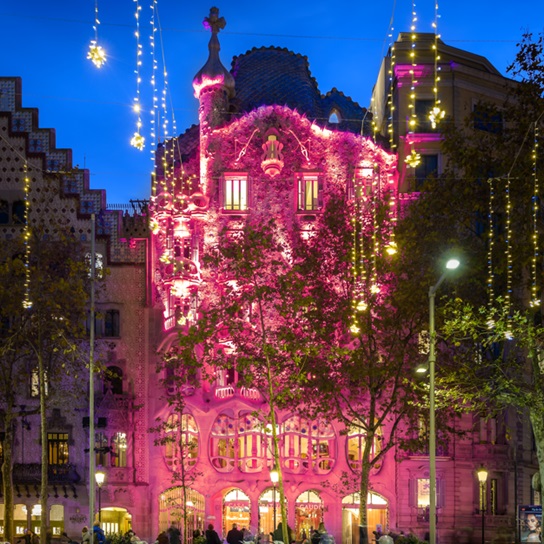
(86, 537)
(162, 538)
(235, 536)
(211, 535)
(174, 535)
(98, 534)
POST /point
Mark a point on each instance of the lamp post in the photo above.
(100, 477)
(452, 264)
(274, 477)
(482, 478)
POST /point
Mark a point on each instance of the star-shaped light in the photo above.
(138, 141)
(413, 159)
(96, 54)
(436, 115)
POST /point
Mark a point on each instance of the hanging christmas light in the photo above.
(27, 302)
(413, 159)
(535, 299)
(437, 113)
(490, 288)
(138, 141)
(96, 53)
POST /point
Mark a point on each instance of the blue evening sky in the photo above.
(45, 42)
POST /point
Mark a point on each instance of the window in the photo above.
(114, 380)
(235, 192)
(57, 448)
(181, 441)
(334, 116)
(420, 496)
(4, 212)
(427, 167)
(356, 444)
(310, 193)
(308, 446)
(488, 496)
(18, 212)
(101, 449)
(118, 450)
(251, 443)
(487, 118)
(106, 324)
(423, 110)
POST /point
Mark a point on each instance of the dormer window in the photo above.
(334, 117)
(309, 193)
(235, 192)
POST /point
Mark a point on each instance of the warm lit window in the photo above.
(222, 443)
(251, 443)
(119, 447)
(57, 448)
(235, 192)
(308, 446)
(101, 449)
(310, 193)
(181, 441)
(356, 445)
(420, 496)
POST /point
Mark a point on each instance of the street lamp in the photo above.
(100, 477)
(482, 478)
(274, 477)
(452, 264)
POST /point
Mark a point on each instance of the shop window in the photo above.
(427, 167)
(56, 520)
(307, 446)
(118, 451)
(57, 448)
(235, 192)
(181, 442)
(309, 193)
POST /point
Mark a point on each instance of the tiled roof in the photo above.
(274, 75)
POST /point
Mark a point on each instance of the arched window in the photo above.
(181, 441)
(356, 443)
(334, 116)
(251, 443)
(222, 443)
(308, 445)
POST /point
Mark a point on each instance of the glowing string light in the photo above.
(138, 141)
(437, 113)
(96, 53)
(535, 299)
(508, 251)
(413, 159)
(490, 287)
(27, 302)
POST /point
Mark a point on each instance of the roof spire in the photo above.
(213, 72)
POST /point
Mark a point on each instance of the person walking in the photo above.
(211, 535)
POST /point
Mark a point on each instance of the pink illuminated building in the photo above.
(266, 137)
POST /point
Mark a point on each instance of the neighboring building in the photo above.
(265, 131)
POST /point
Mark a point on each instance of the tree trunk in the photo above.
(363, 491)
(7, 477)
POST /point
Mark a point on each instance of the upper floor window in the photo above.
(427, 167)
(106, 324)
(235, 192)
(423, 110)
(420, 496)
(57, 448)
(35, 383)
(487, 118)
(101, 449)
(356, 445)
(118, 450)
(4, 212)
(114, 380)
(181, 441)
(18, 212)
(308, 446)
(309, 192)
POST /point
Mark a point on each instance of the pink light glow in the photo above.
(207, 82)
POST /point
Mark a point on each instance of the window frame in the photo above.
(227, 198)
(309, 201)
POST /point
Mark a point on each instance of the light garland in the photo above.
(437, 113)
(138, 141)
(413, 159)
(96, 54)
(535, 299)
(27, 302)
(490, 288)
(508, 252)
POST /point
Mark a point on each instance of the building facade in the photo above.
(266, 137)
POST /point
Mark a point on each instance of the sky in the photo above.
(46, 42)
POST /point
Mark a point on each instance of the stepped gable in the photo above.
(267, 76)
